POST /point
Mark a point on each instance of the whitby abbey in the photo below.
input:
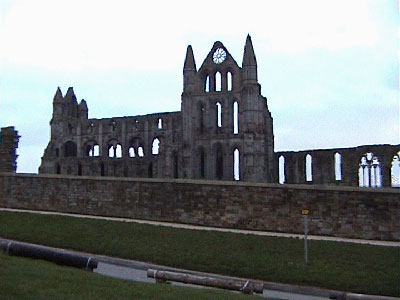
(212, 163)
(224, 131)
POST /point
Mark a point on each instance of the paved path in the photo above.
(194, 227)
(129, 273)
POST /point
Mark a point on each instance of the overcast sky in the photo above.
(330, 69)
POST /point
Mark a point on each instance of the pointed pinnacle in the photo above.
(83, 104)
(70, 95)
(189, 64)
(249, 58)
(58, 95)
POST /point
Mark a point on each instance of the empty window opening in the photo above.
(219, 164)
(235, 117)
(96, 150)
(160, 123)
(201, 117)
(58, 169)
(140, 151)
(92, 149)
(229, 80)
(364, 172)
(79, 169)
(338, 166)
(236, 164)
(207, 84)
(150, 170)
(308, 168)
(395, 171)
(115, 150)
(282, 178)
(132, 152)
(102, 172)
(70, 149)
(175, 164)
(376, 176)
(118, 151)
(370, 171)
(155, 149)
(57, 152)
(218, 82)
(202, 164)
(219, 114)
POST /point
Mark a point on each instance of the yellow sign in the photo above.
(304, 211)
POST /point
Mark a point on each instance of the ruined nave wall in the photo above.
(323, 170)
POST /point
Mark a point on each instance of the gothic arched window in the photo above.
(229, 81)
(236, 164)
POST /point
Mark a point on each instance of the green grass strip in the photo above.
(342, 266)
(26, 279)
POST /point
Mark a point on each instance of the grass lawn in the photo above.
(343, 266)
(26, 279)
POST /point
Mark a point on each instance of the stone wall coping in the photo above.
(361, 147)
(210, 182)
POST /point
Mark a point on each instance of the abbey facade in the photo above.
(224, 131)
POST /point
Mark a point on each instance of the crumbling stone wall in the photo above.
(323, 164)
(335, 211)
(72, 146)
(8, 149)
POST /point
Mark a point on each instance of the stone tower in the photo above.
(8, 149)
(227, 127)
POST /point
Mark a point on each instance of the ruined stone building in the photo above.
(9, 139)
(223, 131)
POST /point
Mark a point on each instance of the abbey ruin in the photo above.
(147, 167)
(224, 131)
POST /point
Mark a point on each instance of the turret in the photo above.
(83, 109)
(189, 70)
(249, 64)
(71, 102)
(58, 103)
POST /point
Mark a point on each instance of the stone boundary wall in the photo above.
(349, 212)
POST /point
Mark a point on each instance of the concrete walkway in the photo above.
(195, 227)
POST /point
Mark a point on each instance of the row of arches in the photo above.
(146, 169)
(114, 125)
(369, 170)
(219, 117)
(218, 82)
(114, 149)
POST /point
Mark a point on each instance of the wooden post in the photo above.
(247, 287)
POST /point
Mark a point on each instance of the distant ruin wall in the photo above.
(8, 149)
(323, 165)
(336, 211)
